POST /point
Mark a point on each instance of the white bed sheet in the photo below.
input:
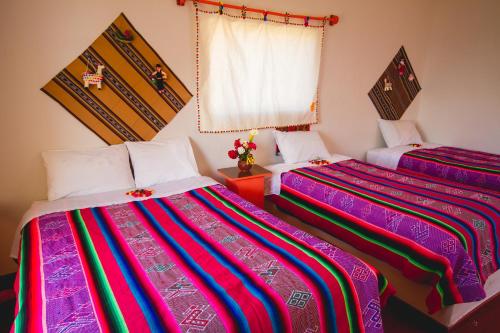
(39, 208)
(389, 157)
(273, 183)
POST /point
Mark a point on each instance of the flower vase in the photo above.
(244, 166)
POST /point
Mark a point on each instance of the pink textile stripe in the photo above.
(132, 313)
(93, 293)
(264, 287)
(154, 296)
(335, 289)
(35, 310)
(323, 272)
(250, 305)
(29, 306)
(211, 296)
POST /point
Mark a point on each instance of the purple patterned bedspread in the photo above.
(434, 231)
(460, 165)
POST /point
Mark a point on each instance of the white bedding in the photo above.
(389, 157)
(39, 208)
(273, 183)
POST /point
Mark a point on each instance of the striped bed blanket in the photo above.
(468, 167)
(434, 232)
(203, 260)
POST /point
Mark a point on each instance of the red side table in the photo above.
(247, 184)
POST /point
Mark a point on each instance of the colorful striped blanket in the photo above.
(460, 165)
(203, 260)
(434, 232)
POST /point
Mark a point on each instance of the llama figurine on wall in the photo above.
(91, 78)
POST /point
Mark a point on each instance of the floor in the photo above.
(7, 303)
(398, 318)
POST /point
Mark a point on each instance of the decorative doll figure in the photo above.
(387, 85)
(159, 77)
(401, 67)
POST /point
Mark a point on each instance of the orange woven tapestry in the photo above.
(137, 98)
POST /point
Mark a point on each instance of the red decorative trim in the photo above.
(332, 20)
(295, 128)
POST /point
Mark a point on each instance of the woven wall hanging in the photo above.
(137, 98)
(396, 88)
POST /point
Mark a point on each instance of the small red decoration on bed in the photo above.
(319, 162)
(140, 193)
(415, 145)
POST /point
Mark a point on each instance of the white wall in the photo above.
(460, 104)
(39, 38)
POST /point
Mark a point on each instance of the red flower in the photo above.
(232, 154)
(252, 145)
(237, 144)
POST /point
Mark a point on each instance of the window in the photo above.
(256, 74)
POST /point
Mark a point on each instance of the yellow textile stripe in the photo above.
(128, 107)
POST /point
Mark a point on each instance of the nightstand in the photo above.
(247, 184)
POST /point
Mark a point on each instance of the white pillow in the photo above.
(399, 132)
(184, 146)
(80, 172)
(300, 146)
(157, 162)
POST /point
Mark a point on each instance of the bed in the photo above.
(435, 233)
(407, 151)
(194, 256)
(468, 167)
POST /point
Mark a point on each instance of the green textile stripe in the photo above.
(452, 163)
(111, 308)
(369, 239)
(339, 277)
(412, 212)
(382, 283)
(20, 323)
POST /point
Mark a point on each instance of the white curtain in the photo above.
(256, 74)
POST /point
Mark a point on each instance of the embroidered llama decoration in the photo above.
(91, 78)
